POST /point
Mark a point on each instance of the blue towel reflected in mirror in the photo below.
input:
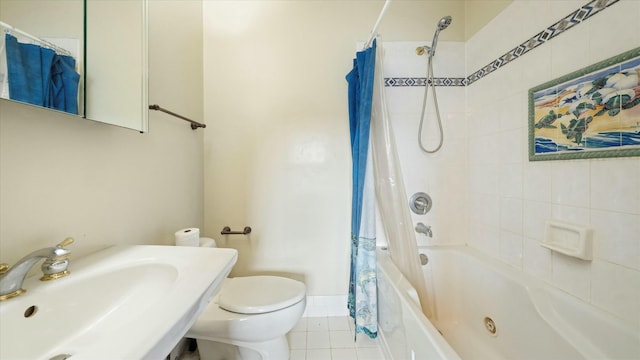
(39, 76)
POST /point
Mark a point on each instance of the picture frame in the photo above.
(590, 113)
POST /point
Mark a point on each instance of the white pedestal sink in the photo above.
(124, 302)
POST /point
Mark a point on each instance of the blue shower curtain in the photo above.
(39, 76)
(362, 305)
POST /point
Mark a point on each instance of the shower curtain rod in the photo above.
(11, 29)
(194, 124)
(374, 31)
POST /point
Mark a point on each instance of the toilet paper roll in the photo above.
(207, 242)
(188, 237)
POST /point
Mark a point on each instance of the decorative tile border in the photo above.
(422, 81)
(564, 24)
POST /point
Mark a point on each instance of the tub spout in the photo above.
(424, 229)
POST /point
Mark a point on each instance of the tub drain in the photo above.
(490, 326)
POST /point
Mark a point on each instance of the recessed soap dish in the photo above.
(569, 239)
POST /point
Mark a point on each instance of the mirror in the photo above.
(43, 55)
(110, 40)
(116, 63)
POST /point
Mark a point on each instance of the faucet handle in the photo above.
(4, 267)
(66, 242)
(56, 267)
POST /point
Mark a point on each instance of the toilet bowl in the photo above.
(249, 319)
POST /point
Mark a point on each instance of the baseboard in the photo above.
(323, 306)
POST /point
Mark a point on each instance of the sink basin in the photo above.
(124, 302)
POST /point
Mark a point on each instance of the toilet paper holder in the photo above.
(227, 231)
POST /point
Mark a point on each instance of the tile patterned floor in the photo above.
(324, 338)
(330, 338)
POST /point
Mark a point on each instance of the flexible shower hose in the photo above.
(431, 80)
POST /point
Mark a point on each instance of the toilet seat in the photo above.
(259, 294)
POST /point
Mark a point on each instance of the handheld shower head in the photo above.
(442, 24)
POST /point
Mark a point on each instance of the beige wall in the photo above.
(479, 12)
(277, 152)
(276, 149)
(64, 176)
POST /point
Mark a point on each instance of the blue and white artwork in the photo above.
(593, 110)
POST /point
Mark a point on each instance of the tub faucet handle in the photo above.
(424, 229)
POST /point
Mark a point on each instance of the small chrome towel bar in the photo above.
(194, 124)
(227, 231)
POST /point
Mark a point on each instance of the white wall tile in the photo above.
(511, 248)
(602, 194)
(485, 239)
(616, 237)
(486, 150)
(571, 214)
(536, 67)
(569, 50)
(404, 101)
(487, 119)
(510, 183)
(572, 275)
(535, 216)
(484, 210)
(484, 179)
(448, 60)
(507, 199)
(562, 8)
(536, 260)
(511, 215)
(613, 186)
(570, 183)
(455, 126)
(400, 59)
(620, 19)
(512, 147)
(450, 99)
(617, 290)
(515, 108)
(537, 181)
(482, 54)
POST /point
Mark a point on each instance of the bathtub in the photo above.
(484, 309)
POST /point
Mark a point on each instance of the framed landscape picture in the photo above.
(591, 113)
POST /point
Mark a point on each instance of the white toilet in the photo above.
(249, 318)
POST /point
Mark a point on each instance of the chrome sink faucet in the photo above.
(54, 267)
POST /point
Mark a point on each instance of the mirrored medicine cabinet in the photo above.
(107, 39)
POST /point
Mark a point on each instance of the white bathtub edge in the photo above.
(403, 290)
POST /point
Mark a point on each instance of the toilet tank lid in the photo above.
(260, 294)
